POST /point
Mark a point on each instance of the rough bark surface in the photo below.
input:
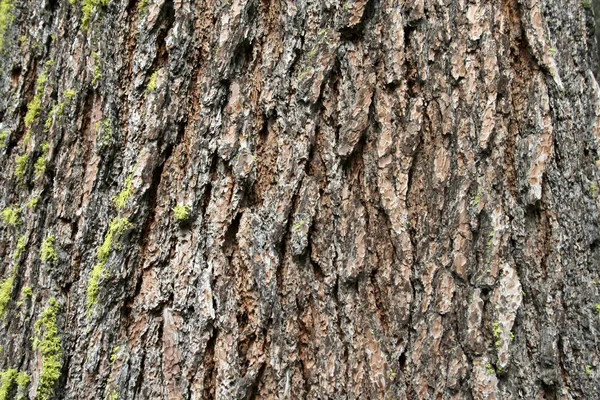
(241, 199)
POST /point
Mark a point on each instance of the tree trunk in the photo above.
(240, 199)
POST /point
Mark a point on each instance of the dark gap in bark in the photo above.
(194, 92)
(593, 24)
(137, 391)
(482, 251)
(561, 354)
(89, 149)
(245, 342)
(356, 32)
(15, 74)
(253, 390)
(318, 271)
(210, 375)
(151, 197)
(353, 163)
(549, 392)
(212, 175)
(251, 197)
(61, 384)
(283, 243)
(125, 79)
(408, 31)
(88, 95)
(132, 7)
(230, 239)
(29, 87)
(266, 156)
(167, 16)
(242, 55)
(378, 295)
(52, 6)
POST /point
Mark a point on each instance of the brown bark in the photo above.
(385, 199)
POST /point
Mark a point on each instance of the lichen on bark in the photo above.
(47, 342)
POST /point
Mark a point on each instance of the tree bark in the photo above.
(240, 199)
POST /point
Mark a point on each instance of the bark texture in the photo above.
(323, 199)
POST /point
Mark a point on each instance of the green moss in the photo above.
(20, 248)
(489, 369)
(47, 252)
(31, 204)
(588, 370)
(298, 225)
(113, 395)
(477, 198)
(40, 166)
(41, 80)
(26, 292)
(121, 199)
(304, 72)
(7, 379)
(143, 7)
(27, 139)
(490, 242)
(496, 332)
(587, 4)
(392, 374)
(11, 216)
(69, 94)
(57, 110)
(48, 122)
(21, 166)
(597, 308)
(3, 136)
(87, 8)
(115, 229)
(93, 287)
(40, 163)
(182, 213)
(97, 70)
(113, 356)
(152, 82)
(33, 108)
(5, 292)
(6, 18)
(49, 345)
(104, 132)
(22, 381)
